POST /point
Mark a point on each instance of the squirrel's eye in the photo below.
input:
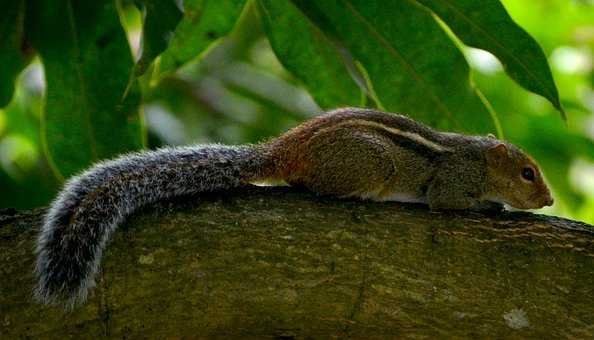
(528, 174)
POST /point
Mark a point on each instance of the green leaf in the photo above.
(309, 54)
(12, 58)
(160, 18)
(486, 25)
(204, 22)
(87, 65)
(412, 64)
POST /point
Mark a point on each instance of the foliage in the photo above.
(86, 60)
(240, 71)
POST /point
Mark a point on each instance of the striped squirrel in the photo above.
(348, 152)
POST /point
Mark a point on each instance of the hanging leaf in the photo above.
(87, 65)
(486, 25)
(412, 64)
(13, 58)
(204, 22)
(160, 17)
(309, 54)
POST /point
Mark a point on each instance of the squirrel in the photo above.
(348, 152)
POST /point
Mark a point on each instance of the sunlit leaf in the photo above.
(12, 56)
(412, 64)
(309, 54)
(31, 184)
(87, 65)
(21, 116)
(204, 22)
(486, 25)
(160, 17)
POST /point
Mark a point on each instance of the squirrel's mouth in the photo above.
(549, 200)
(546, 198)
(537, 200)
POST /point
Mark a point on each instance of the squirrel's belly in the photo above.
(381, 196)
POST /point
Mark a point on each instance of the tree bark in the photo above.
(276, 262)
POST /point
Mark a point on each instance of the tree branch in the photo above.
(275, 262)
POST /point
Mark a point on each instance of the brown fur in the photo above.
(336, 154)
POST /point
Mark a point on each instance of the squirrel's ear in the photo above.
(490, 135)
(497, 153)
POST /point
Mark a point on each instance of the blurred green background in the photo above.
(238, 92)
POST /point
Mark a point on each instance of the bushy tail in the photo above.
(91, 206)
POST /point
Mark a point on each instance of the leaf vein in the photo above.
(83, 85)
(501, 47)
(407, 66)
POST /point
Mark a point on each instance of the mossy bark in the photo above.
(275, 262)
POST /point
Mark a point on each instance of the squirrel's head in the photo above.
(514, 178)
